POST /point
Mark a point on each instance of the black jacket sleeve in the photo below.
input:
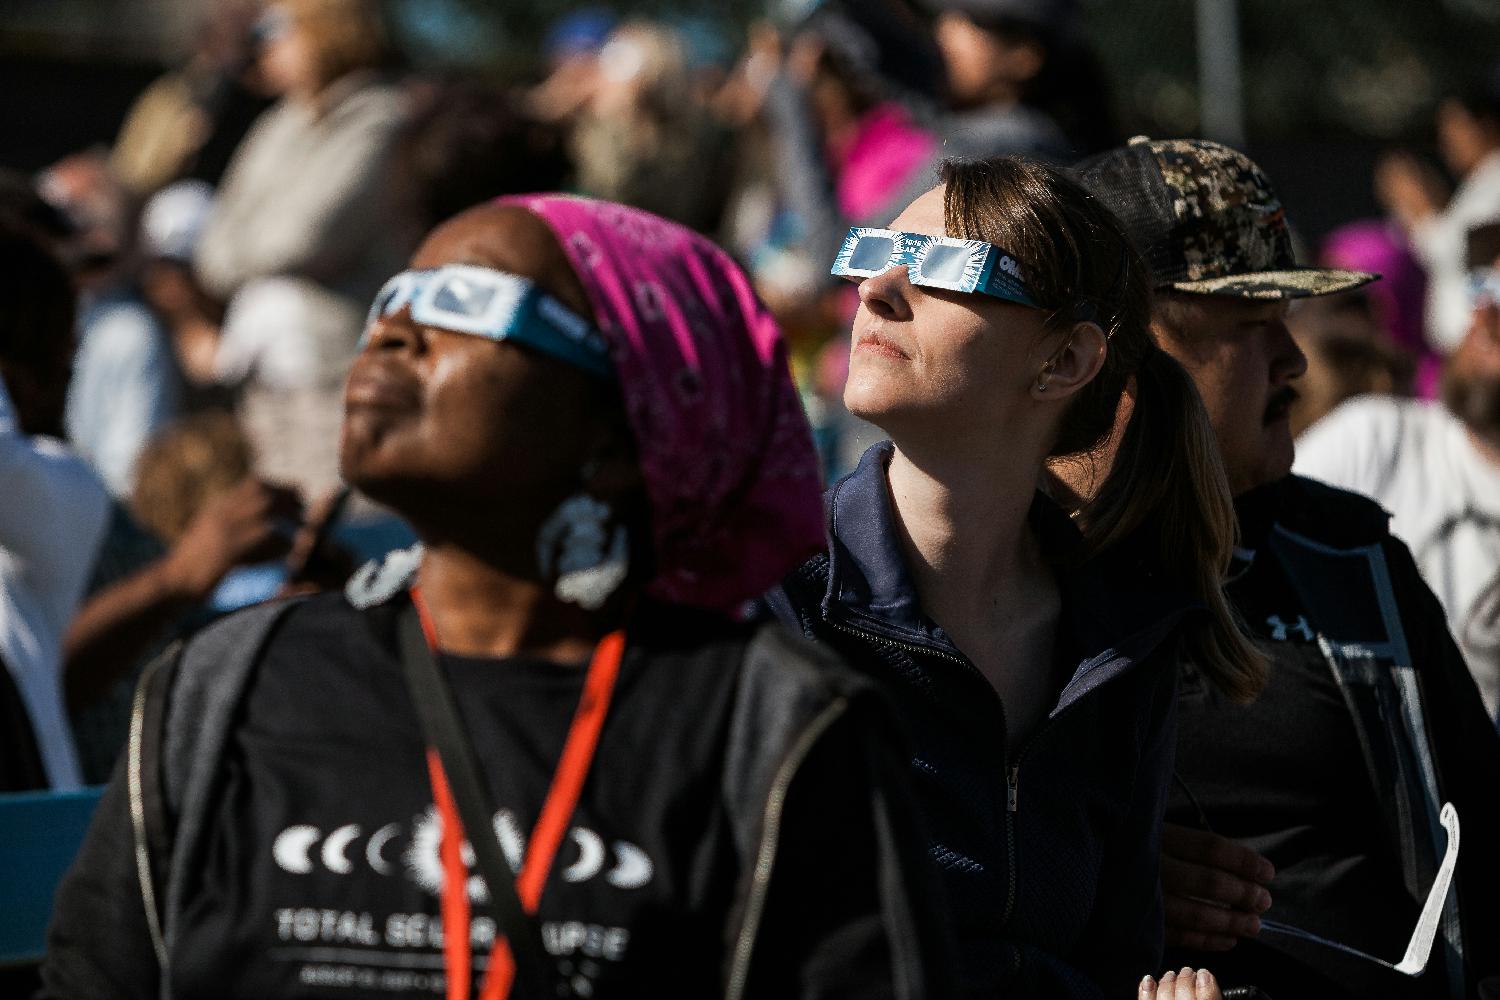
(850, 910)
(1467, 750)
(98, 944)
(99, 941)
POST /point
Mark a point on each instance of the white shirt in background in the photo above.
(1441, 243)
(53, 513)
(1419, 462)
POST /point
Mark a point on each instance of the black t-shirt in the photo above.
(317, 872)
(1286, 776)
(323, 877)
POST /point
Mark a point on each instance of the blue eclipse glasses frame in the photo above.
(934, 261)
(481, 301)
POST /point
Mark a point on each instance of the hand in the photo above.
(1213, 889)
(804, 57)
(1408, 189)
(249, 522)
(316, 562)
(743, 94)
(1183, 985)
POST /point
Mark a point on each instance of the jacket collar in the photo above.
(1115, 613)
(1304, 506)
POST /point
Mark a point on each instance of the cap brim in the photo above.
(1294, 283)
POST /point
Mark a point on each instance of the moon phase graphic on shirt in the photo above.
(377, 843)
(335, 858)
(590, 856)
(585, 855)
(634, 869)
(291, 848)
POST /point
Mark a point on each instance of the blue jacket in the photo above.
(1049, 858)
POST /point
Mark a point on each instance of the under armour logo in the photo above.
(1280, 628)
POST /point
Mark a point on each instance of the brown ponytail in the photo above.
(1166, 488)
(1168, 482)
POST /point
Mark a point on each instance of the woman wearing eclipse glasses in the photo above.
(540, 756)
(1032, 643)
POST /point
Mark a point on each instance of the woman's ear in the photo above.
(1077, 359)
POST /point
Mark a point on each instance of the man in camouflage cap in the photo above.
(1310, 819)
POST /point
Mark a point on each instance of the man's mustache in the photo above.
(1280, 402)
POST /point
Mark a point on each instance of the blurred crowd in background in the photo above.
(224, 247)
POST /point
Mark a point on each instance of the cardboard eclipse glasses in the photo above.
(487, 303)
(935, 262)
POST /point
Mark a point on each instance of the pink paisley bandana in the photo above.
(724, 447)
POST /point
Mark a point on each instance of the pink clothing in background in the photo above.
(1400, 294)
(886, 151)
(724, 447)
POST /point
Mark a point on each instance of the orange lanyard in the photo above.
(546, 838)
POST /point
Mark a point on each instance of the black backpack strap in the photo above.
(208, 680)
(789, 692)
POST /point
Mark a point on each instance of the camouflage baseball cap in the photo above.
(1207, 220)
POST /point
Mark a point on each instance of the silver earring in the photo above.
(1041, 385)
(592, 562)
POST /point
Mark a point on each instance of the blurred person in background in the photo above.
(998, 54)
(53, 512)
(171, 223)
(1397, 301)
(1468, 130)
(306, 226)
(844, 108)
(465, 141)
(188, 121)
(22, 208)
(602, 477)
(839, 93)
(1318, 805)
(1436, 467)
(571, 50)
(214, 528)
(645, 135)
(126, 383)
(1348, 355)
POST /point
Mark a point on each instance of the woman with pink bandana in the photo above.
(541, 755)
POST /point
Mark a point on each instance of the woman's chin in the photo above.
(876, 404)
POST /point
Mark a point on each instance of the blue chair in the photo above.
(40, 832)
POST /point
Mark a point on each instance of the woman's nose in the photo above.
(887, 294)
(393, 332)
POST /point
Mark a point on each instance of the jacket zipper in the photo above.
(910, 647)
(765, 855)
(1012, 795)
(1012, 769)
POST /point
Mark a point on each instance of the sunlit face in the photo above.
(1243, 360)
(436, 419)
(925, 358)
